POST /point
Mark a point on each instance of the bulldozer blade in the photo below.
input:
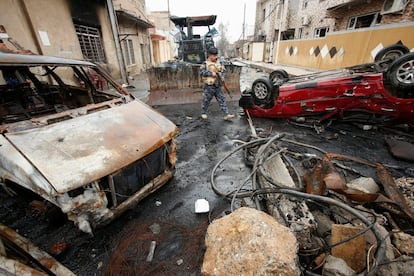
(177, 83)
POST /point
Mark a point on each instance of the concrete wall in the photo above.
(135, 7)
(342, 49)
(43, 17)
(258, 51)
(46, 27)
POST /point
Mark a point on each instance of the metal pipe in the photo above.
(114, 26)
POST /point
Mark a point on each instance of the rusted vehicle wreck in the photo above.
(74, 136)
(18, 256)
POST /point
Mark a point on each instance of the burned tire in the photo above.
(279, 76)
(401, 72)
(388, 54)
(262, 91)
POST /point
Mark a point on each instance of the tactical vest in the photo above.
(213, 67)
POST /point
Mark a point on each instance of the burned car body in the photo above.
(373, 93)
(74, 136)
(18, 256)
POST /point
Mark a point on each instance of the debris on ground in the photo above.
(342, 209)
(19, 256)
(168, 216)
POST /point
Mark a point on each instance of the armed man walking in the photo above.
(213, 73)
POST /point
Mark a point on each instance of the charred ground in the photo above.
(167, 216)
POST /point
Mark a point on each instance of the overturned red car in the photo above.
(381, 92)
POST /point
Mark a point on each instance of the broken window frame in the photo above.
(321, 32)
(360, 21)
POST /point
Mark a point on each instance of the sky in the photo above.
(229, 12)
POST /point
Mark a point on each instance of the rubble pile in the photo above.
(348, 215)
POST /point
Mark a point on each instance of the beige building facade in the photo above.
(113, 34)
(163, 45)
(308, 19)
(134, 36)
(327, 34)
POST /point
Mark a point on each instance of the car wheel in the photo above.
(388, 54)
(279, 76)
(262, 91)
(401, 72)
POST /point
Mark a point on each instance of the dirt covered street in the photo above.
(167, 218)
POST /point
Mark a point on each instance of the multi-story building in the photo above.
(162, 44)
(134, 37)
(322, 33)
(304, 19)
(111, 33)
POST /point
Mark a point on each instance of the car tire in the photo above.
(401, 72)
(279, 76)
(388, 54)
(262, 91)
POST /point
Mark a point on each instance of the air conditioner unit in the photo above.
(305, 20)
(393, 6)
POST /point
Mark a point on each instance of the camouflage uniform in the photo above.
(212, 85)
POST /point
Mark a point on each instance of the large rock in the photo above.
(249, 242)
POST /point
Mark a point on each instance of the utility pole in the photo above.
(280, 31)
(169, 21)
(244, 22)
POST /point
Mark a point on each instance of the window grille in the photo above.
(90, 43)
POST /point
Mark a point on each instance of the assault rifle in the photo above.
(221, 81)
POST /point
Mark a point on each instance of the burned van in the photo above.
(71, 134)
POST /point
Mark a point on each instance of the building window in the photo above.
(321, 32)
(143, 54)
(364, 21)
(300, 33)
(90, 43)
(305, 4)
(288, 34)
(128, 49)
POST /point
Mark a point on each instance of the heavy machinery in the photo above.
(193, 47)
(179, 81)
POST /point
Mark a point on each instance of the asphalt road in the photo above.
(168, 216)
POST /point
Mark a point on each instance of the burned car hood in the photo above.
(78, 151)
